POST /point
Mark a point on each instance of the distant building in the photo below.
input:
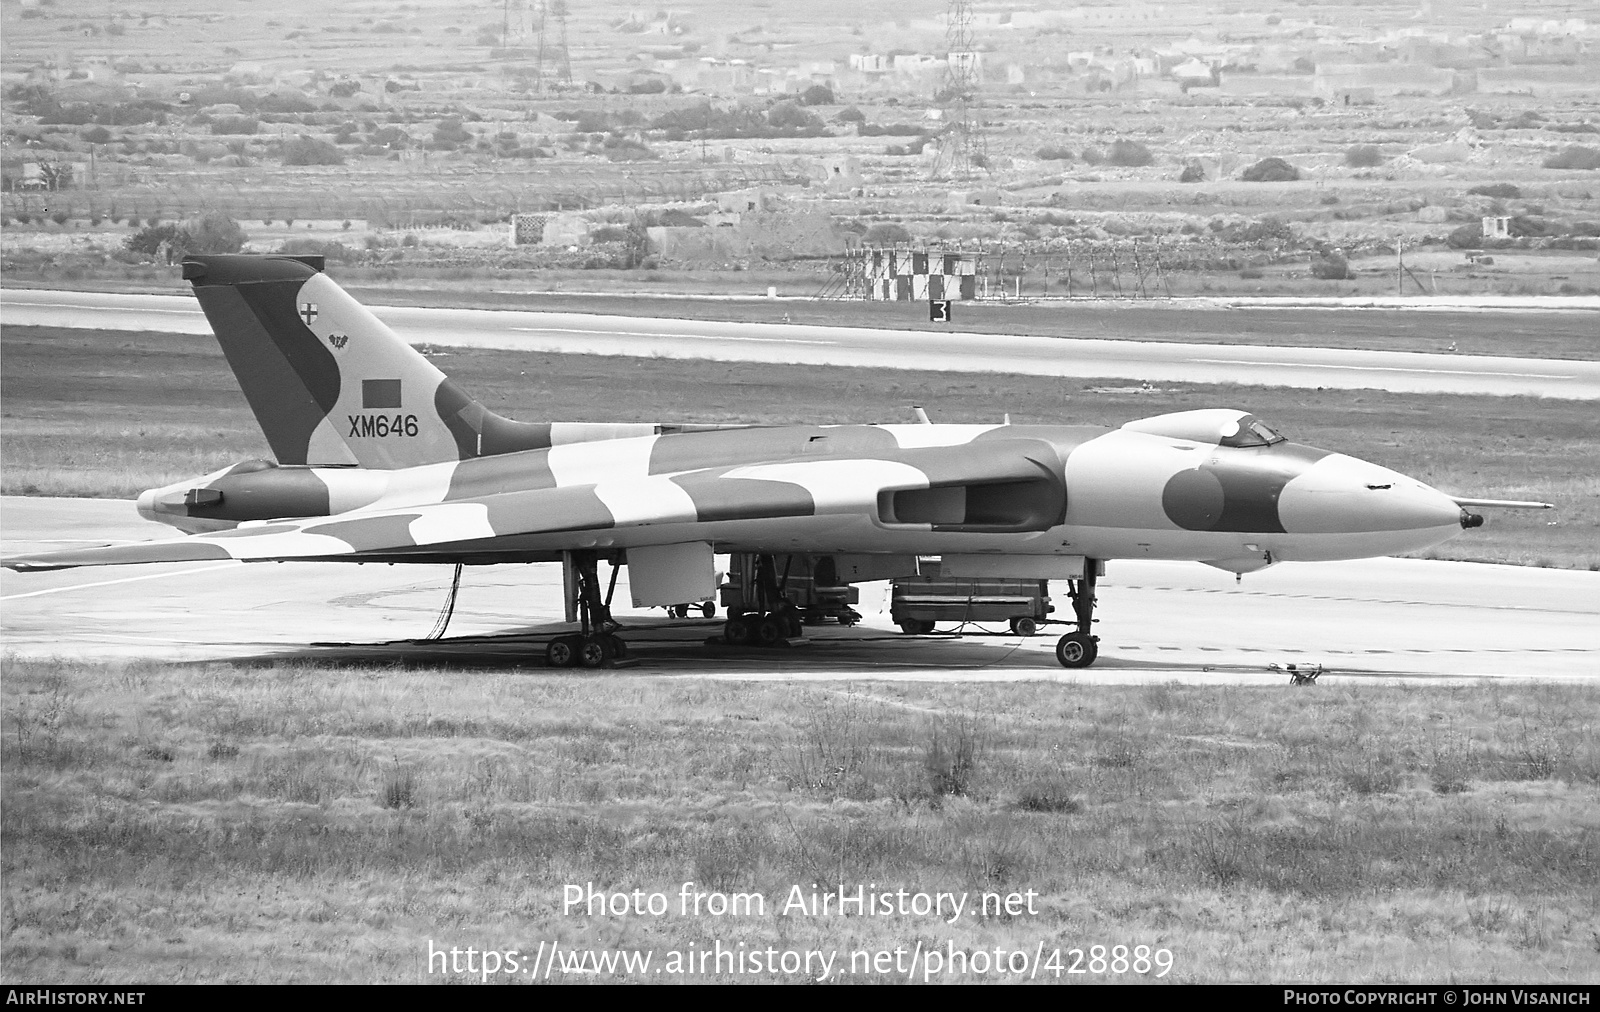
(715, 75)
(818, 71)
(1355, 96)
(911, 64)
(838, 173)
(968, 63)
(976, 198)
(1384, 78)
(549, 229)
(1266, 84)
(1191, 71)
(777, 81)
(1543, 26)
(1496, 227)
(780, 235)
(752, 201)
(1535, 80)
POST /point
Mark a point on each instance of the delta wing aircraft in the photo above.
(381, 458)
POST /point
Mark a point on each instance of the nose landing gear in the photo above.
(1079, 649)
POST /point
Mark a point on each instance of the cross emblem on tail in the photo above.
(308, 312)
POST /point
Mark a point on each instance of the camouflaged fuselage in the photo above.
(903, 489)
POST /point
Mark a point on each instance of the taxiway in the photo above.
(945, 351)
(1380, 618)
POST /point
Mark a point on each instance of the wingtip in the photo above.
(25, 566)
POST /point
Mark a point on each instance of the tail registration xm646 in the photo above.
(381, 458)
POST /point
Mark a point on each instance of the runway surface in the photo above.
(1381, 618)
(1406, 372)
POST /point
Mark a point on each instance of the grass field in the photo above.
(233, 823)
(105, 414)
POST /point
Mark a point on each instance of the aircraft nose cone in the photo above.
(1415, 506)
(146, 504)
(1343, 495)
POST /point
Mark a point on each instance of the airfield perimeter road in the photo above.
(1379, 618)
(1403, 372)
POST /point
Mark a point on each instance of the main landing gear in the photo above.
(598, 644)
(774, 620)
(1079, 649)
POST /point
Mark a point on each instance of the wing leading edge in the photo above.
(760, 491)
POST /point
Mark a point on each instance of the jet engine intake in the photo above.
(1029, 505)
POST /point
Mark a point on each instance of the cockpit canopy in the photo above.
(1218, 426)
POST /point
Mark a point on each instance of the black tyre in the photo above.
(593, 652)
(708, 609)
(619, 646)
(737, 632)
(561, 652)
(1077, 650)
(770, 630)
(1024, 626)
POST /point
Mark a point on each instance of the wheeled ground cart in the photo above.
(806, 590)
(770, 598)
(922, 602)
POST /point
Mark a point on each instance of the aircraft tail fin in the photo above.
(329, 382)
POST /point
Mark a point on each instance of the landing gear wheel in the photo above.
(737, 632)
(708, 609)
(770, 630)
(590, 648)
(1024, 626)
(791, 621)
(593, 652)
(1077, 650)
(561, 652)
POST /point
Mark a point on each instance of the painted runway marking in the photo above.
(680, 337)
(108, 583)
(1384, 368)
(96, 309)
(1425, 309)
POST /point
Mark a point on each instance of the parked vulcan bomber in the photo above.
(381, 458)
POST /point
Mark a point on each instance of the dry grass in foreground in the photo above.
(229, 823)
